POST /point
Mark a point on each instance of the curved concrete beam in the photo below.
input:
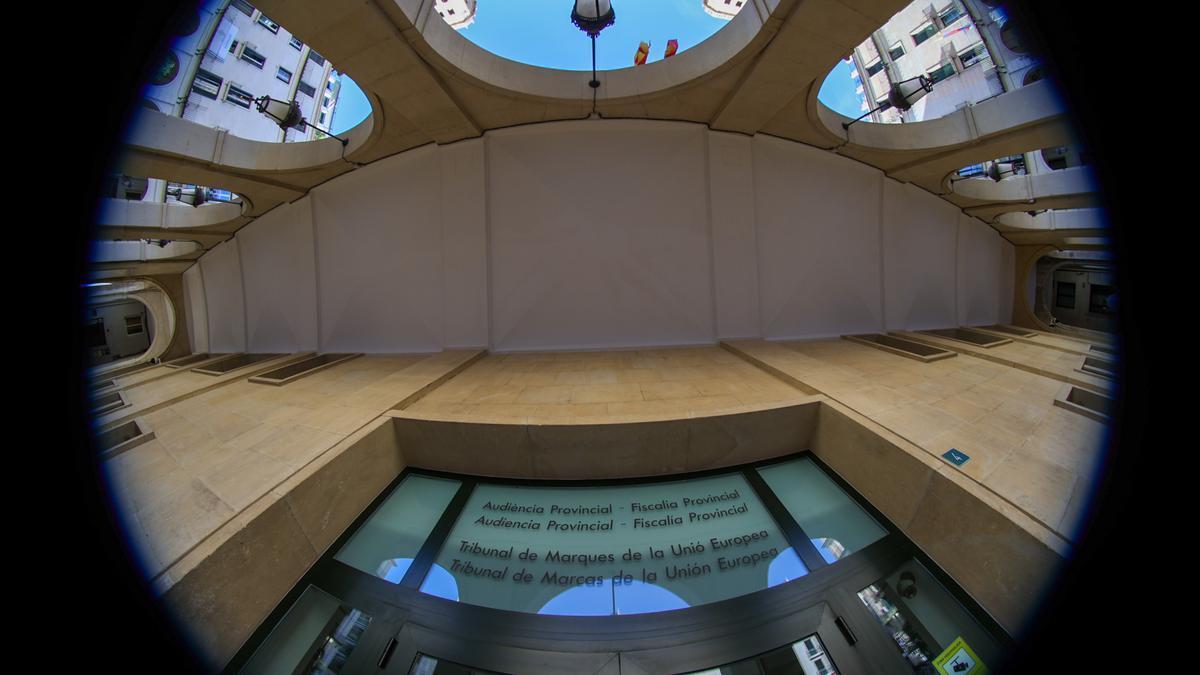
(758, 74)
(207, 224)
(140, 251)
(267, 174)
(1066, 230)
(1092, 220)
(927, 153)
(124, 270)
(983, 198)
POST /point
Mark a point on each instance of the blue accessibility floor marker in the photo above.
(956, 457)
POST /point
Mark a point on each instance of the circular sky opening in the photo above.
(540, 32)
(842, 91)
(352, 106)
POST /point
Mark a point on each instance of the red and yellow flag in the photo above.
(672, 47)
(643, 52)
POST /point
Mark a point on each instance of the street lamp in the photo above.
(591, 17)
(288, 116)
(901, 96)
(1000, 170)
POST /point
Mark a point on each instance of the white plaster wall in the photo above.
(1008, 281)
(818, 241)
(603, 235)
(281, 284)
(979, 272)
(222, 272)
(195, 309)
(379, 257)
(735, 246)
(599, 236)
(919, 251)
(464, 244)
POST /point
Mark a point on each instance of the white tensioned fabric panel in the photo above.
(222, 272)
(1008, 262)
(464, 231)
(194, 309)
(735, 251)
(279, 274)
(978, 272)
(379, 256)
(599, 235)
(919, 249)
(818, 241)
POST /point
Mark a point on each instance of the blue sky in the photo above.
(540, 33)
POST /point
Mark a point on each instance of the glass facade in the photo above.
(387, 543)
(611, 550)
(550, 556)
(827, 514)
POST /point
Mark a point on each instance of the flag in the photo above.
(642, 53)
(672, 47)
(963, 29)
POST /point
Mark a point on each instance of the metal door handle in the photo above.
(387, 654)
(849, 634)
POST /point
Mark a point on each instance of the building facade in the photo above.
(458, 13)
(445, 404)
(249, 56)
(722, 9)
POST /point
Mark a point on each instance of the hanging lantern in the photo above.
(1000, 170)
(904, 94)
(286, 114)
(593, 16)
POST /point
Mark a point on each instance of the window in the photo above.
(896, 51)
(296, 43)
(233, 47)
(268, 24)
(1064, 294)
(253, 57)
(950, 14)
(307, 89)
(243, 7)
(238, 96)
(1099, 300)
(973, 55)
(133, 325)
(283, 75)
(316, 58)
(941, 72)
(207, 84)
(874, 68)
(883, 104)
(923, 33)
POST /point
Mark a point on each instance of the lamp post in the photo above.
(591, 17)
(901, 96)
(288, 116)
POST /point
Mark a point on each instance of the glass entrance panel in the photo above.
(932, 632)
(836, 524)
(597, 551)
(315, 637)
(387, 543)
(807, 656)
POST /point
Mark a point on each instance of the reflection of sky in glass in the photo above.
(785, 567)
(438, 582)
(631, 597)
(441, 583)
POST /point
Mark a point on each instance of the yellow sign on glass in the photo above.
(959, 659)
